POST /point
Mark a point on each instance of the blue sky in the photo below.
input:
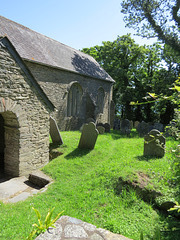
(76, 23)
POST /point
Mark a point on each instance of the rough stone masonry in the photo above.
(25, 117)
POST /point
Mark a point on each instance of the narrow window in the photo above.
(100, 100)
(74, 100)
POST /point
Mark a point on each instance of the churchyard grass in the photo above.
(86, 187)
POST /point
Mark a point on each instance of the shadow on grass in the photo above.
(146, 158)
(77, 153)
(53, 146)
(116, 134)
(54, 151)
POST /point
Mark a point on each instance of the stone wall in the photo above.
(26, 120)
(1, 143)
(56, 84)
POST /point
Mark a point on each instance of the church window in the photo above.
(100, 99)
(74, 100)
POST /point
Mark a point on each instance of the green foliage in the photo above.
(156, 236)
(42, 226)
(174, 128)
(154, 18)
(138, 70)
(175, 211)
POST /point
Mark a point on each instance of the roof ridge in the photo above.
(35, 46)
(21, 25)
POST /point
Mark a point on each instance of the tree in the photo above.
(119, 58)
(154, 18)
(133, 67)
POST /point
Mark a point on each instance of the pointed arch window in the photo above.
(74, 100)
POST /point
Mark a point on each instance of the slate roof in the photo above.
(35, 47)
(4, 42)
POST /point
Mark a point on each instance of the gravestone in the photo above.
(112, 113)
(131, 124)
(116, 124)
(89, 136)
(154, 144)
(159, 127)
(100, 129)
(54, 132)
(90, 120)
(151, 127)
(136, 123)
(143, 128)
(105, 125)
(125, 126)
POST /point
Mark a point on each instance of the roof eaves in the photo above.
(68, 70)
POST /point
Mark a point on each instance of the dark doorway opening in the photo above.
(2, 144)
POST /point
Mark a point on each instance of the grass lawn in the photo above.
(85, 187)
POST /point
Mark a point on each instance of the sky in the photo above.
(76, 23)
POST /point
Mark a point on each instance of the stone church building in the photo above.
(73, 81)
(40, 77)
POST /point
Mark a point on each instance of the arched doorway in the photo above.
(9, 143)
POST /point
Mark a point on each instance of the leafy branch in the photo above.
(42, 226)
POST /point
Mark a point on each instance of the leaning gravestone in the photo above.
(142, 128)
(89, 136)
(54, 132)
(154, 144)
(125, 126)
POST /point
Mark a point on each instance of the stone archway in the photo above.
(11, 117)
(10, 143)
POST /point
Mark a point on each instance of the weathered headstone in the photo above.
(89, 136)
(105, 125)
(54, 132)
(154, 144)
(125, 126)
(100, 129)
(136, 123)
(90, 120)
(112, 113)
(150, 127)
(159, 127)
(116, 124)
(131, 124)
(143, 128)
